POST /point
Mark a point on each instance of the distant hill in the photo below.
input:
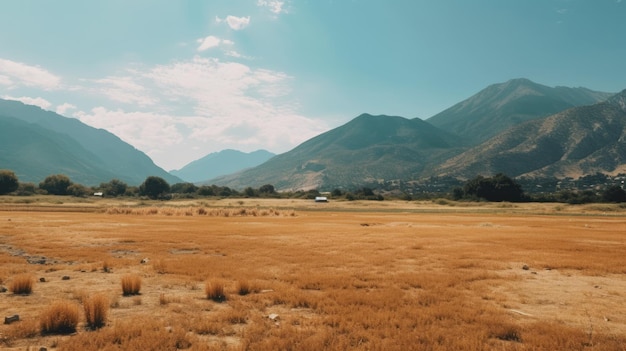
(366, 149)
(501, 106)
(221, 163)
(579, 141)
(35, 143)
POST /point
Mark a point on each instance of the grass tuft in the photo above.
(96, 309)
(131, 284)
(60, 318)
(215, 291)
(22, 284)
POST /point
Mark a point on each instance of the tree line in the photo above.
(497, 188)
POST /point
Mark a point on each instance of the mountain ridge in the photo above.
(109, 155)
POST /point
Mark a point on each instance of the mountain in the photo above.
(579, 141)
(366, 149)
(501, 106)
(35, 143)
(221, 163)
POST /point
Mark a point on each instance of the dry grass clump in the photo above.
(244, 287)
(96, 309)
(60, 318)
(22, 284)
(131, 284)
(214, 290)
(210, 212)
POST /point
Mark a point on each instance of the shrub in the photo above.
(243, 287)
(215, 291)
(8, 181)
(60, 318)
(131, 284)
(22, 284)
(96, 310)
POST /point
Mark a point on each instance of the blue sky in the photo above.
(180, 79)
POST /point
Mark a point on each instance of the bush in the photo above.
(215, 291)
(96, 310)
(131, 284)
(154, 187)
(8, 181)
(22, 284)
(60, 318)
(56, 184)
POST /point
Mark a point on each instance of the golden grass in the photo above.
(60, 318)
(131, 284)
(22, 284)
(412, 278)
(96, 310)
(214, 290)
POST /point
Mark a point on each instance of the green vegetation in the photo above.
(57, 184)
(8, 182)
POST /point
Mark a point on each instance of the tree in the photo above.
(56, 184)
(154, 187)
(114, 187)
(8, 182)
(78, 190)
(184, 188)
(614, 193)
(497, 188)
(267, 189)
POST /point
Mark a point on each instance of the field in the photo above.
(296, 275)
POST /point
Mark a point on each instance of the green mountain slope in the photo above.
(366, 149)
(579, 141)
(501, 106)
(108, 156)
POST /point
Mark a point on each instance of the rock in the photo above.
(43, 349)
(11, 319)
(145, 260)
(525, 267)
(42, 279)
(3, 289)
(273, 317)
(66, 277)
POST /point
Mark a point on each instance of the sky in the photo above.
(179, 79)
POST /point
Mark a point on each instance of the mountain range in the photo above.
(455, 142)
(35, 143)
(221, 163)
(518, 127)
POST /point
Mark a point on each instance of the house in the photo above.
(321, 199)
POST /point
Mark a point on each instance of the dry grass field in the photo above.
(295, 275)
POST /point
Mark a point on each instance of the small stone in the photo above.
(3, 289)
(273, 317)
(66, 277)
(525, 267)
(42, 279)
(145, 260)
(11, 319)
(43, 349)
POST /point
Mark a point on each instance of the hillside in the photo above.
(51, 144)
(501, 106)
(366, 149)
(579, 141)
(221, 163)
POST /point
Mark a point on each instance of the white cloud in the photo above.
(237, 23)
(275, 6)
(146, 131)
(62, 109)
(21, 74)
(4, 80)
(38, 101)
(208, 42)
(228, 42)
(125, 90)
